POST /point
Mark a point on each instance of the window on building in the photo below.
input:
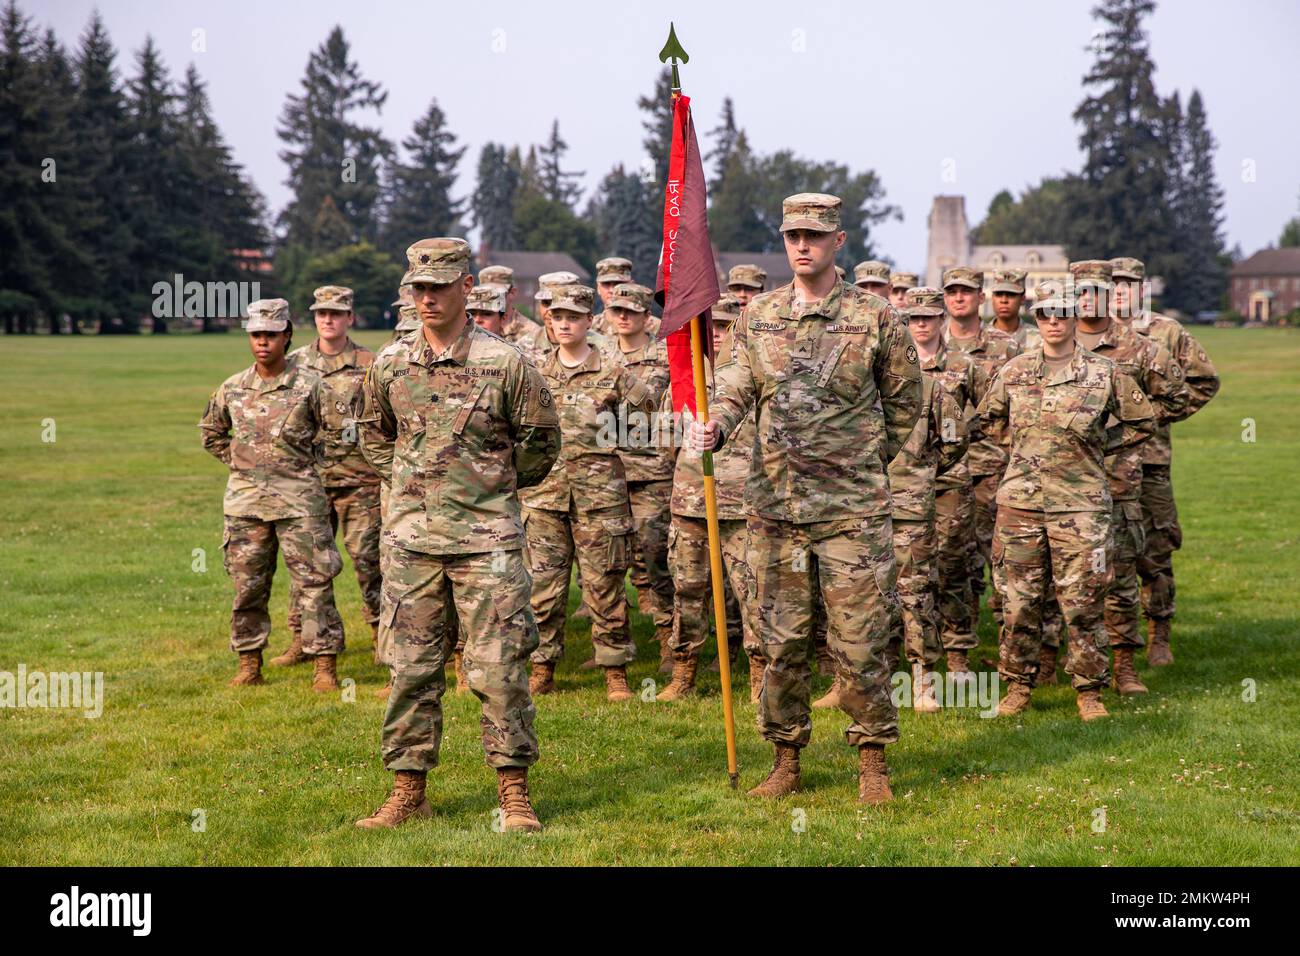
(1033, 260)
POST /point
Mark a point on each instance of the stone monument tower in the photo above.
(949, 237)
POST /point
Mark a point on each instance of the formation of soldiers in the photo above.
(878, 450)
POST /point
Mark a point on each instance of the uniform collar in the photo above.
(313, 356)
(981, 337)
(421, 353)
(937, 362)
(828, 306)
(254, 382)
(592, 363)
(1076, 371)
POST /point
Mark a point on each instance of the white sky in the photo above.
(938, 96)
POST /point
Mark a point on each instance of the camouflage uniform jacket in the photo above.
(537, 345)
(912, 472)
(645, 456)
(960, 377)
(589, 473)
(266, 431)
(731, 462)
(836, 390)
(1026, 336)
(1058, 424)
(458, 435)
(1198, 372)
(518, 327)
(1161, 378)
(341, 375)
(990, 350)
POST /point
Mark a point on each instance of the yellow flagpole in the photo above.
(715, 552)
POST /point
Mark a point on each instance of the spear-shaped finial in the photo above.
(673, 49)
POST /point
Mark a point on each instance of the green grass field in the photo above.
(96, 574)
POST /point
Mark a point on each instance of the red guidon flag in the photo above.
(688, 277)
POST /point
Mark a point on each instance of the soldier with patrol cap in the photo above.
(899, 283)
(610, 273)
(1163, 534)
(516, 325)
(407, 321)
(987, 458)
(458, 421)
(351, 485)
(1056, 403)
(873, 276)
(647, 457)
(581, 510)
(832, 376)
(263, 424)
(1008, 291)
(540, 344)
(746, 280)
(486, 306)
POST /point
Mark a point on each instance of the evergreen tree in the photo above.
(419, 199)
(622, 226)
(556, 184)
(734, 223)
(1040, 215)
(1204, 279)
(658, 126)
(1290, 237)
(494, 198)
(725, 136)
(328, 151)
(369, 273)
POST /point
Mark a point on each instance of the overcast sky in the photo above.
(937, 96)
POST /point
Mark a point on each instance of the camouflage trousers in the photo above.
(914, 553)
(980, 550)
(1032, 550)
(688, 554)
(356, 511)
(1164, 536)
(651, 575)
(954, 526)
(250, 546)
(601, 540)
(850, 563)
(428, 600)
(1121, 614)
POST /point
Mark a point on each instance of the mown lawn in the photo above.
(100, 527)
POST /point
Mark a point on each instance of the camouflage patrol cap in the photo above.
(728, 307)
(267, 315)
(839, 271)
(1009, 280)
(404, 297)
(963, 276)
(486, 298)
(819, 212)
(1091, 272)
(496, 275)
(904, 280)
(871, 272)
(629, 295)
(614, 269)
(335, 297)
(552, 279)
(573, 298)
(748, 275)
(924, 301)
(1128, 268)
(407, 318)
(1050, 296)
(437, 261)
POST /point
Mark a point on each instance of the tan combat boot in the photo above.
(326, 676)
(292, 654)
(542, 679)
(1125, 679)
(387, 689)
(1046, 666)
(923, 696)
(250, 669)
(616, 683)
(1158, 652)
(583, 613)
(873, 775)
(405, 801)
(1090, 705)
(517, 813)
(757, 668)
(830, 699)
(683, 682)
(588, 665)
(1016, 701)
(666, 665)
(462, 682)
(784, 778)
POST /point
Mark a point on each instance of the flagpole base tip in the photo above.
(734, 780)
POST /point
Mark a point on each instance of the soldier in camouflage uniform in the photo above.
(1164, 535)
(689, 538)
(486, 307)
(407, 321)
(610, 273)
(745, 281)
(647, 459)
(832, 376)
(538, 346)
(1161, 379)
(515, 325)
(351, 485)
(581, 510)
(263, 423)
(899, 283)
(1008, 291)
(457, 421)
(873, 276)
(1054, 504)
(986, 459)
